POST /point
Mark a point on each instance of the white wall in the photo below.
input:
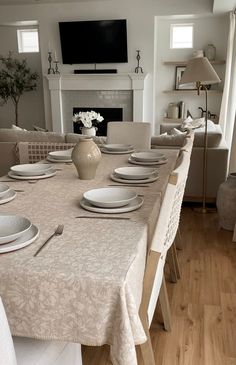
(139, 14)
(31, 106)
(213, 29)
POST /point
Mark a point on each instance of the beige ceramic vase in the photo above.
(86, 157)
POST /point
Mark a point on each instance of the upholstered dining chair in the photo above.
(136, 133)
(154, 286)
(26, 351)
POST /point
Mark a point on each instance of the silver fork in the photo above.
(58, 231)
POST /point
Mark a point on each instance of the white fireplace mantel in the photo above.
(59, 83)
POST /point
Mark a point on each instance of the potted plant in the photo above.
(88, 121)
(15, 79)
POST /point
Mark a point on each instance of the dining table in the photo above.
(85, 285)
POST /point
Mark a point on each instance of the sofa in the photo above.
(217, 154)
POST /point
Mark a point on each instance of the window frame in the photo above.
(20, 39)
(172, 32)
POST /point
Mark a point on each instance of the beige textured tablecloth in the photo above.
(86, 285)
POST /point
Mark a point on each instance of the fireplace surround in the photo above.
(60, 85)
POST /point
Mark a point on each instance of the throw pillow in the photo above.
(39, 129)
(175, 131)
(190, 123)
(17, 128)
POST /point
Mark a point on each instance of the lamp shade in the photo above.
(199, 69)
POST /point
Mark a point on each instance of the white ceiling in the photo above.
(220, 6)
(23, 2)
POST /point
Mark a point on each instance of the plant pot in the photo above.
(89, 131)
(86, 156)
(226, 203)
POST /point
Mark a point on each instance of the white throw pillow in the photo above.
(17, 128)
(190, 123)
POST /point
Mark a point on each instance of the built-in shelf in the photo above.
(187, 91)
(184, 63)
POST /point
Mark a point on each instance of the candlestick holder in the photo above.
(56, 67)
(50, 68)
(138, 68)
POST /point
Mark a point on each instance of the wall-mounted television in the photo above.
(95, 41)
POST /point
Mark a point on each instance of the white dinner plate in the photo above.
(118, 147)
(104, 150)
(61, 155)
(109, 197)
(135, 172)
(57, 160)
(133, 205)
(12, 227)
(31, 169)
(10, 195)
(160, 162)
(3, 189)
(147, 156)
(26, 239)
(50, 173)
(116, 178)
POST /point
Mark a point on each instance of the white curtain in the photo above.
(228, 105)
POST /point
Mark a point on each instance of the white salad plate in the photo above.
(10, 195)
(142, 163)
(31, 169)
(150, 179)
(3, 189)
(135, 172)
(50, 173)
(133, 205)
(147, 156)
(58, 160)
(109, 197)
(104, 150)
(118, 147)
(26, 239)
(61, 155)
(12, 227)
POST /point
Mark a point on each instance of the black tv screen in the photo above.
(102, 41)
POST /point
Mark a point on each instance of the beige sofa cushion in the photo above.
(12, 135)
(168, 140)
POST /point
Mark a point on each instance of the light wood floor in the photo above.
(203, 302)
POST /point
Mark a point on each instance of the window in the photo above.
(28, 40)
(181, 36)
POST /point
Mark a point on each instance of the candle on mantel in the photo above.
(55, 56)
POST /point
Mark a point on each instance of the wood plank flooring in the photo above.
(203, 302)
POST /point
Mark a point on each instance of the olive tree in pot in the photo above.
(15, 79)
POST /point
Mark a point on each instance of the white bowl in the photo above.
(3, 189)
(34, 169)
(61, 155)
(12, 227)
(147, 156)
(109, 197)
(118, 147)
(135, 173)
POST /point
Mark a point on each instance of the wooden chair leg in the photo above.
(146, 348)
(178, 240)
(172, 265)
(165, 306)
(175, 255)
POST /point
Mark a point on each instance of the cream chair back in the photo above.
(7, 352)
(136, 133)
(29, 351)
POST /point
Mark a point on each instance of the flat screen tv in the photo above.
(96, 41)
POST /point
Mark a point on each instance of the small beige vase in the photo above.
(86, 157)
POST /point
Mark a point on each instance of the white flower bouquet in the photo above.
(87, 119)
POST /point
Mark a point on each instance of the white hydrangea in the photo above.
(87, 118)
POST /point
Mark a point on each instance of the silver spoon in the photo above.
(58, 231)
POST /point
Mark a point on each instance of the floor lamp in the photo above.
(200, 71)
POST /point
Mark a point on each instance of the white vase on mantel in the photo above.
(88, 131)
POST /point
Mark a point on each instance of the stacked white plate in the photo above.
(60, 156)
(147, 158)
(31, 171)
(110, 200)
(16, 232)
(135, 175)
(6, 194)
(117, 149)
